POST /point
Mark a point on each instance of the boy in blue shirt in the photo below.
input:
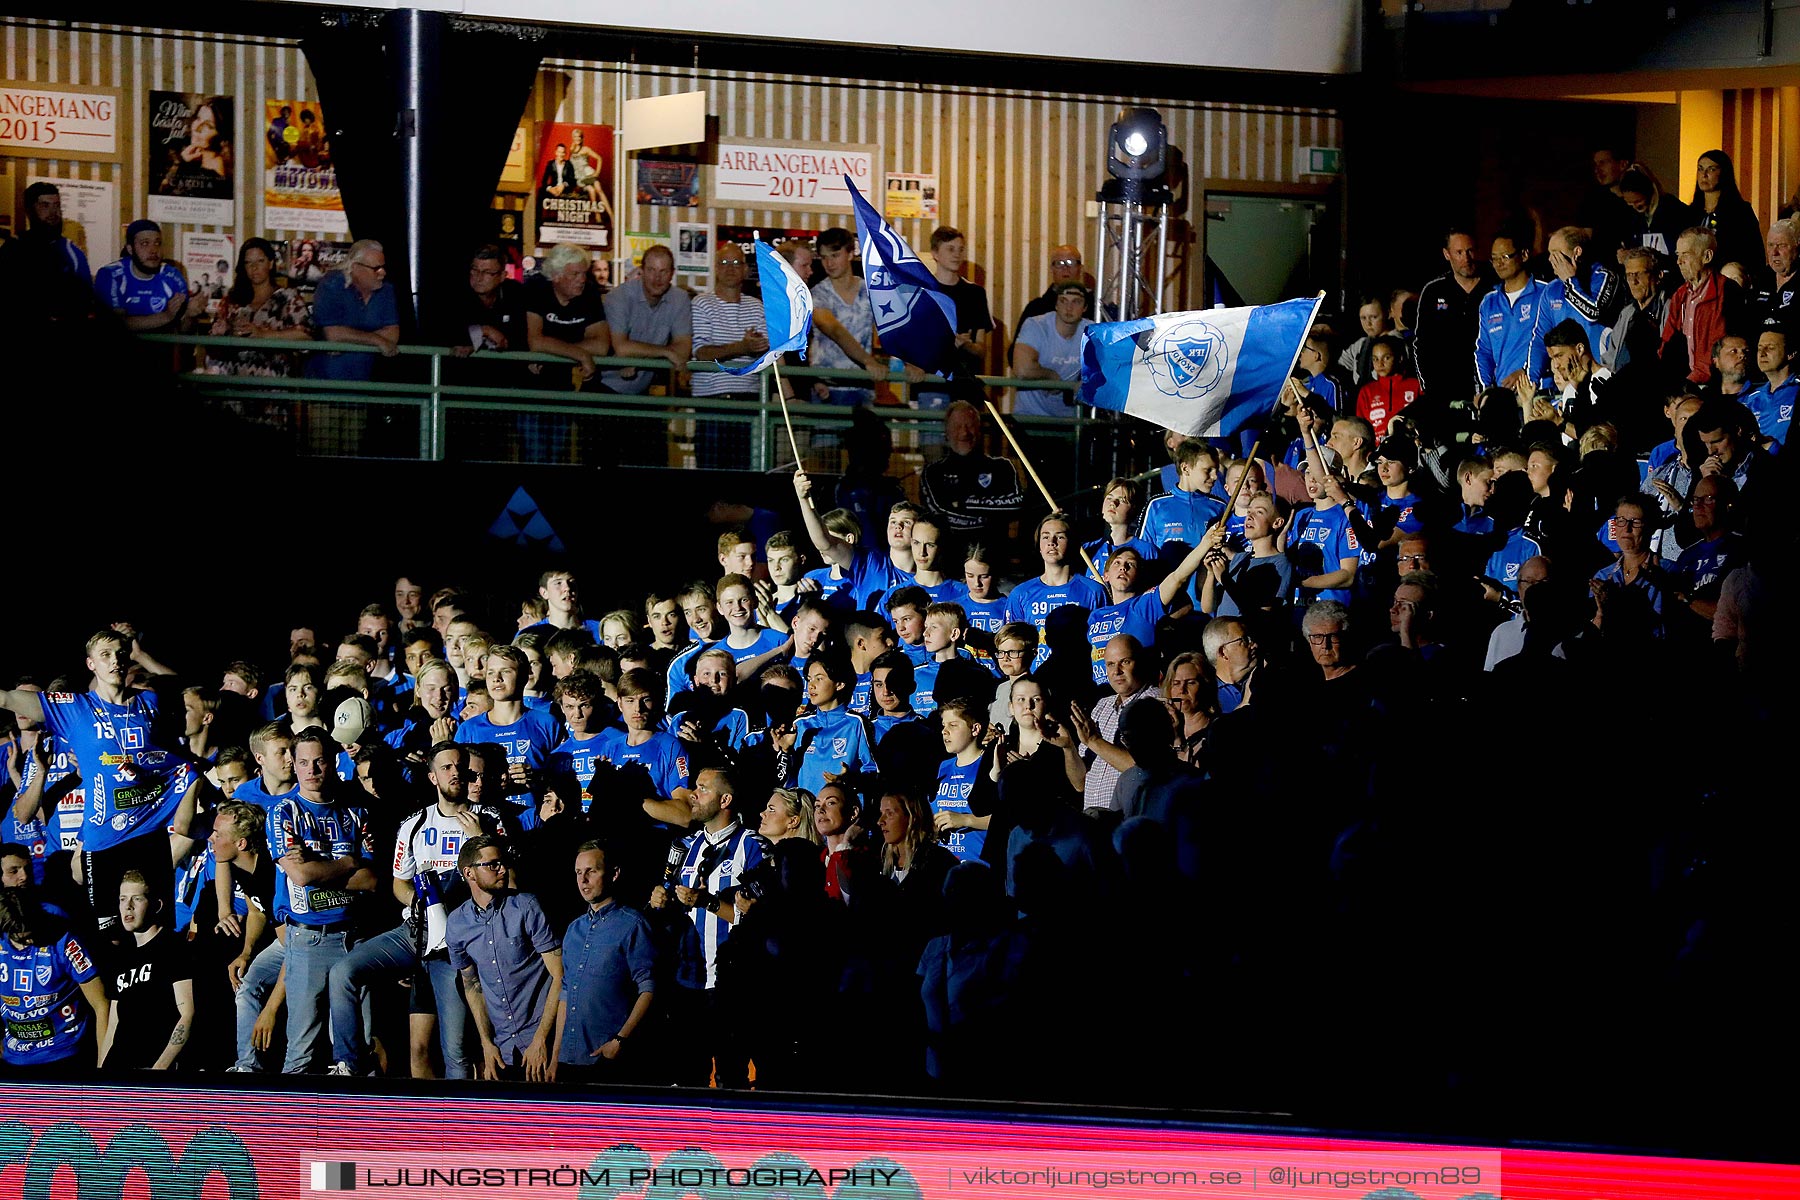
(1183, 514)
(751, 646)
(1035, 599)
(927, 547)
(872, 570)
(527, 735)
(580, 698)
(1122, 508)
(906, 610)
(145, 292)
(959, 793)
(827, 739)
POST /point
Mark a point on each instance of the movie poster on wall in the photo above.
(574, 171)
(300, 189)
(210, 260)
(192, 151)
(668, 184)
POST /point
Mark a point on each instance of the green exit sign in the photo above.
(1320, 160)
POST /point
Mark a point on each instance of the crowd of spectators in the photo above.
(853, 814)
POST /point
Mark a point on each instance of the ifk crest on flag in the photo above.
(787, 309)
(1204, 374)
(913, 314)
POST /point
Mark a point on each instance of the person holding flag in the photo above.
(915, 316)
(787, 314)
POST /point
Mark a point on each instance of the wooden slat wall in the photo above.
(1758, 134)
(138, 60)
(1015, 168)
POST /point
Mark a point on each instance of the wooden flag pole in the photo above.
(1032, 471)
(775, 365)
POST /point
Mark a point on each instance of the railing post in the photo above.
(431, 420)
(759, 453)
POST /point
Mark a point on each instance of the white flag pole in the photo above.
(775, 365)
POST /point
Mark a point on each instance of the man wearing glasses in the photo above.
(356, 304)
(1634, 584)
(1065, 267)
(510, 961)
(1507, 316)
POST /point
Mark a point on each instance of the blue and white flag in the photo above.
(914, 315)
(1203, 374)
(787, 310)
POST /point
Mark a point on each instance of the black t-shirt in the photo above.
(507, 315)
(255, 888)
(565, 322)
(142, 984)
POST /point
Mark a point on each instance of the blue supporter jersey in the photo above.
(1597, 294)
(132, 788)
(884, 723)
(1703, 566)
(1137, 616)
(872, 573)
(1234, 533)
(1034, 600)
(36, 835)
(955, 783)
(1319, 541)
(1503, 565)
(528, 740)
(661, 755)
(1179, 517)
(951, 591)
(121, 289)
(734, 725)
(1101, 551)
(549, 630)
(71, 807)
(862, 699)
(833, 587)
(576, 757)
(1474, 522)
(40, 1003)
(766, 640)
(831, 742)
(1773, 407)
(325, 831)
(985, 615)
(915, 652)
(681, 670)
(715, 863)
(1663, 453)
(924, 697)
(1503, 333)
(1651, 581)
(1406, 515)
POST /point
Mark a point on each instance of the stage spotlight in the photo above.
(1138, 158)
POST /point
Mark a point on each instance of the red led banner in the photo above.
(110, 1143)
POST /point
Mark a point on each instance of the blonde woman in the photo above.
(789, 814)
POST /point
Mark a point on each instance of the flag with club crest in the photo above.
(914, 315)
(1204, 374)
(787, 309)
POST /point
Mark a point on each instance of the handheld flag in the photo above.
(1203, 374)
(787, 310)
(916, 319)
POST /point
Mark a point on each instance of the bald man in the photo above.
(1065, 265)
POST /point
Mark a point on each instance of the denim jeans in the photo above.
(311, 953)
(391, 955)
(252, 994)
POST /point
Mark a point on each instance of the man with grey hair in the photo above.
(1637, 334)
(1327, 629)
(356, 304)
(1234, 658)
(565, 314)
(1508, 638)
(1775, 292)
(1703, 309)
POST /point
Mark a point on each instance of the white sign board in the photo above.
(665, 120)
(90, 209)
(753, 173)
(59, 120)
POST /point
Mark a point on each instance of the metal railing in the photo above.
(438, 401)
